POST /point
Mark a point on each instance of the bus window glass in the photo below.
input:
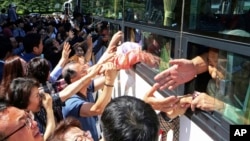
(228, 84)
(157, 45)
(227, 19)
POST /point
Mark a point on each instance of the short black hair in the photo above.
(38, 68)
(127, 118)
(5, 46)
(30, 41)
(20, 91)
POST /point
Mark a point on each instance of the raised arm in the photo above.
(181, 71)
(57, 71)
(171, 105)
(50, 125)
(88, 53)
(77, 85)
(93, 109)
(111, 50)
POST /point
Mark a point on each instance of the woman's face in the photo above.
(34, 100)
(79, 51)
(76, 134)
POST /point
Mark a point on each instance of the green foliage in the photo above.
(30, 6)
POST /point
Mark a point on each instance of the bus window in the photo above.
(160, 46)
(228, 84)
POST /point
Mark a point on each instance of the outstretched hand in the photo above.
(207, 103)
(162, 104)
(66, 51)
(116, 39)
(181, 71)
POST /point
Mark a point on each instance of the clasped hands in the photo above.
(174, 106)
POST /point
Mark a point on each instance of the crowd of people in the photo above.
(50, 68)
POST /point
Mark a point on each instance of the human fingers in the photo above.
(200, 102)
(168, 83)
(163, 78)
(152, 90)
(161, 87)
(181, 109)
(173, 86)
(66, 49)
(169, 103)
(94, 70)
(162, 75)
(171, 100)
(194, 103)
(177, 62)
(47, 100)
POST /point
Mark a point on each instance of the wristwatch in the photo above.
(166, 118)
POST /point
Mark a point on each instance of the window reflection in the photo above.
(107, 8)
(153, 12)
(157, 45)
(231, 84)
(219, 18)
(162, 13)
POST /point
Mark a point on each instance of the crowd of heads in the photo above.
(35, 54)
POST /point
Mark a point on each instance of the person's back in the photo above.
(3, 16)
(127, 118)
(6, 49)
(12, 15)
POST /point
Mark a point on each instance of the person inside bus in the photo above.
(184, 70)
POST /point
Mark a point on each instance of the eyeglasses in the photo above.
(28, 123)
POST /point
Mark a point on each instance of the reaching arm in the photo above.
(57, 71)
(169, 105)
(93, 109)
(88, 53)
(201, 63)
(77, 85)
(50, 125)
(181, 71)
(110, 52)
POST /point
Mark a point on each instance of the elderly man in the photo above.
(16, 124)
(82, 105)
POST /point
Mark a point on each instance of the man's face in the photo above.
(18, 126)
(39, 49)
(80, 69)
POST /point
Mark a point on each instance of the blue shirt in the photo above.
(28, 56)
(18, 32)
(55, 74)
(72, 108)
